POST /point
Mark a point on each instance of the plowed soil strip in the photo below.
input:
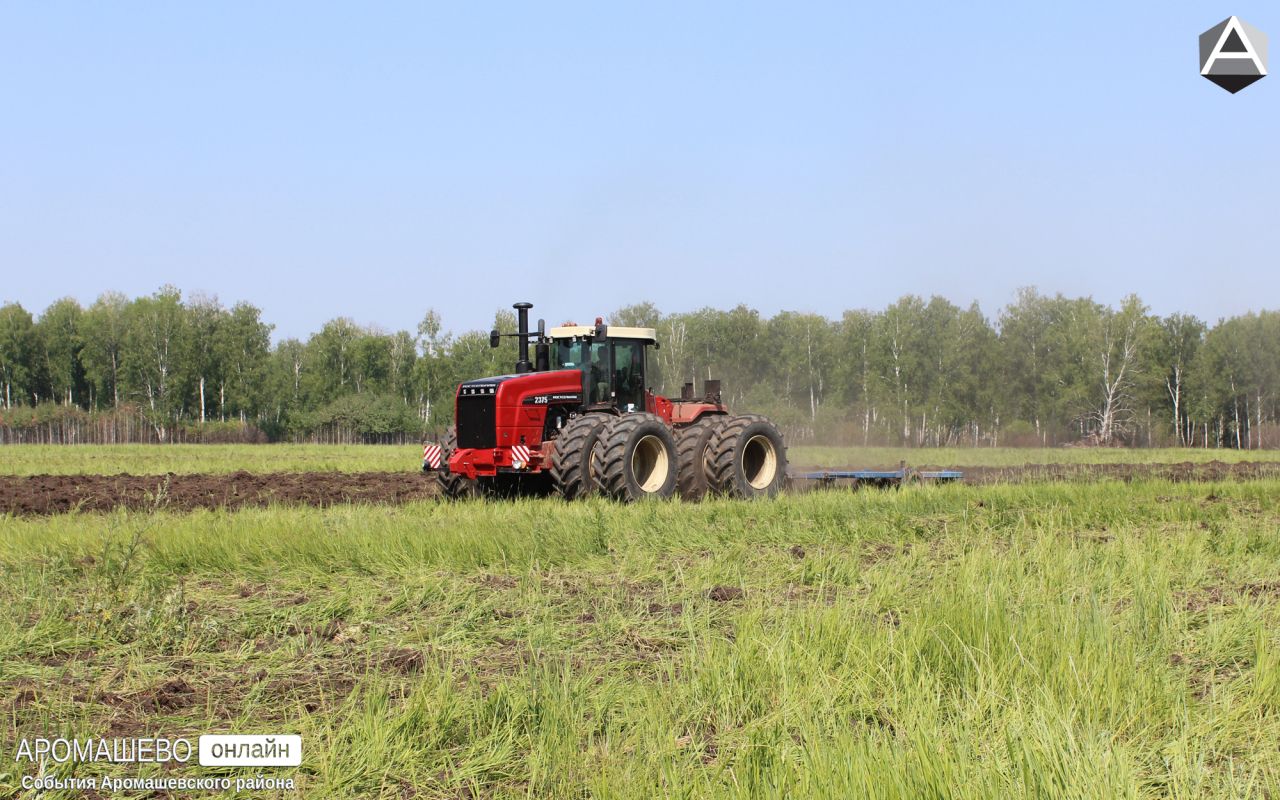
(58, 494)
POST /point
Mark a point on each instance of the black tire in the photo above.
(746, 458)
(455, 487)
(572, 475)
(691, 444)
(640, 458)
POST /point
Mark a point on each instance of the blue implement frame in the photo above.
(882, 478)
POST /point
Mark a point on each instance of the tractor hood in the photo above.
(484, 386)
(531, 388)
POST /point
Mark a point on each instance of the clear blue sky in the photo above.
(374, 160)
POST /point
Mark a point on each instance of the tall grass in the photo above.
(1067, 640)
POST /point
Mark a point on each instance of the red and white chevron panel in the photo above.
(519, 456)
(431, 455)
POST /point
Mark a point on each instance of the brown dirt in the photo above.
(406, 659)
(724, 594)
(1038, 473)
(56, 494)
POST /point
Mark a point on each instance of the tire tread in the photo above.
(613, 449)
(567, 463)
(722, 448)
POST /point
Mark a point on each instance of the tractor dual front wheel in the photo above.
(639, 458)
(455, 487)
(746, 458)
(573, 475)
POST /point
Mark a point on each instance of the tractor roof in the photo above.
(567, 331)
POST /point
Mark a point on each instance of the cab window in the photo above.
(598, 382)
(568, 354)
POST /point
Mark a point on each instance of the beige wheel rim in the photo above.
(759, 462)
(649, 464)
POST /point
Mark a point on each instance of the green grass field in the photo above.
(149, 459)
(153, 459)
(1093, 640)
(831, 457)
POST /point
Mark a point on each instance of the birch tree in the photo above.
(1173, 347)
(105, 333)
(156, 352)
(244, 344)
(15, 352)
(58, 338)
(205, 316)
(1107, 349)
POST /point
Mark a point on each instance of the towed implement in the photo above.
(579, 420)
(903, 476)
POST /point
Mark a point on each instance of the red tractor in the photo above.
(580, 420)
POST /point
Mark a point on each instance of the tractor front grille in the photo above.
(476, 423)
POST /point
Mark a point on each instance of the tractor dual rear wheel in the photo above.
(691, 443)
(746, 458)
(639, 456)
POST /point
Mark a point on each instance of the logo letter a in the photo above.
(1233, 54)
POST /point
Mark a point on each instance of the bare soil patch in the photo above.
(58, 494)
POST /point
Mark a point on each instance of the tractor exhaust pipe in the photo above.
(522, 317)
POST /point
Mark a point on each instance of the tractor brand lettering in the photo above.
(250, 751)
(115, 751)
(544, 399)
(1233, 54)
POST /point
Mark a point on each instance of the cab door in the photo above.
(628, 377)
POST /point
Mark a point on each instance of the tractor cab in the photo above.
(613, 362)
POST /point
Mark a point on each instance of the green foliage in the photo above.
(371, 414)
(1047, 370)
(16, 353)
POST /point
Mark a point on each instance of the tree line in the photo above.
(1047, 370)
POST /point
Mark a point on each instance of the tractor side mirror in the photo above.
(494, 338)
(600, 337)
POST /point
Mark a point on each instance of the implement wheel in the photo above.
(573, 475)
(691, 443)
(746, 458)
(639, 457)
(455, 487)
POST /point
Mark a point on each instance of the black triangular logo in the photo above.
(1234, 83)
(1233, 44)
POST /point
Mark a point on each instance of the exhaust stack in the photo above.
(522, 317)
